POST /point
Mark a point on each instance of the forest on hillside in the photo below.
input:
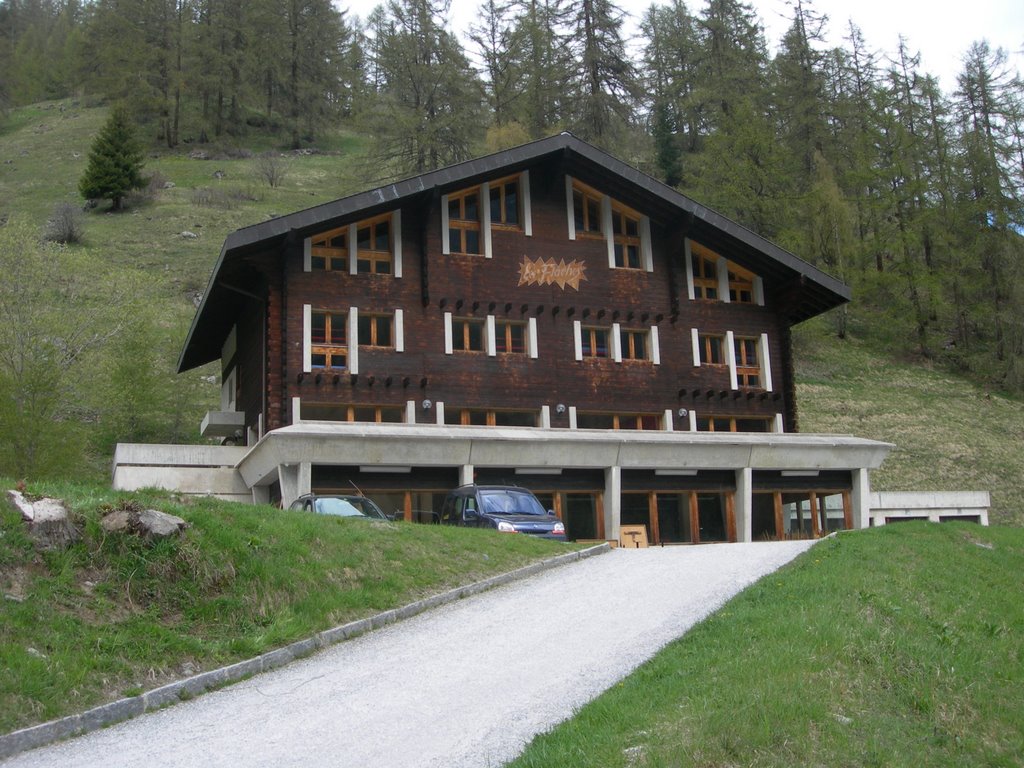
(853, 159)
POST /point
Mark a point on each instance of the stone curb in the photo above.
(124, 709)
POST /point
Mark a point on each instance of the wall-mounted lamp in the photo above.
(427, 405)
(681, 413)
(560, 408)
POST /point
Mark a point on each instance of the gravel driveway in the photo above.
(468, 684)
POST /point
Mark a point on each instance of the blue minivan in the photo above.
(505, 508)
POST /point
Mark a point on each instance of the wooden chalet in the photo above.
(546, 316)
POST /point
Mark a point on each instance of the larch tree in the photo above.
(603, 78)
(429, 110)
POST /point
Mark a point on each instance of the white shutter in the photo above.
(399, 331)
(446, 246)
(616, 343)
(396, 237)
(577, 331)
(524, 190)
(307, 338)
(569, 211)
(489, 337)
(353, 340)
(531, 340)
(307, 254)
(655, 346)
(695, 339)
(645, 243)
(766, 363)
(485, 217)
(730, 343)
(688, 258)
(607, 228)
(448, 333)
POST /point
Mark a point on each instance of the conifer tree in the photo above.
(115, 162)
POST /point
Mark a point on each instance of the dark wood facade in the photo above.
(264, 290)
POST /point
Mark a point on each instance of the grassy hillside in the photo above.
(896, 646)
(950, 434)
(112, 617)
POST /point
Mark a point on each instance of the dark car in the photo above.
(505, 508)
(339, 506)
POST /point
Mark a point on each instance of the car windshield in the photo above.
(505, 502)
(330, 505)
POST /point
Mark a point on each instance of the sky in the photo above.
(941, 37)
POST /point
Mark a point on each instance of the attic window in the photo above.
(330, 250)
(626, 234)
(373, 246)
(586, 206)
(505, 203)
(464, 222)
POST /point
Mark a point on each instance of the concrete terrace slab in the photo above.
(468, 684)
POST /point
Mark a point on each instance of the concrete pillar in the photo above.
(744, 504)
(860, 498)
(612, 502)
(295, 480)
(261, 494)
(466, 474)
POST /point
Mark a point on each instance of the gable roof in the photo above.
(814, 290)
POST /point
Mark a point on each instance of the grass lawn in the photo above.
(112, 617)
(902, 645)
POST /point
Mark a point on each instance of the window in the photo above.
(595, 342)
(483, 417)
(705, 276)
(741, 285)
(504, 202)
(329, 347)
(586, 206)
(467, 334)
(733, 424)
(748, 368)
(375, 330)
(380, 414)
(373, 246)
(510, 337)
(599, 420)
(329, 251)
(634, 344)
(626, 236)
(711, 349)
(464, 222)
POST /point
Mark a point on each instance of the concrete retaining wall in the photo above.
(208, 470)
(937, 506)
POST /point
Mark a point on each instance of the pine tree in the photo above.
(115, 162)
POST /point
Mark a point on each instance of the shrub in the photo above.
(64, 224)
(271, 167)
